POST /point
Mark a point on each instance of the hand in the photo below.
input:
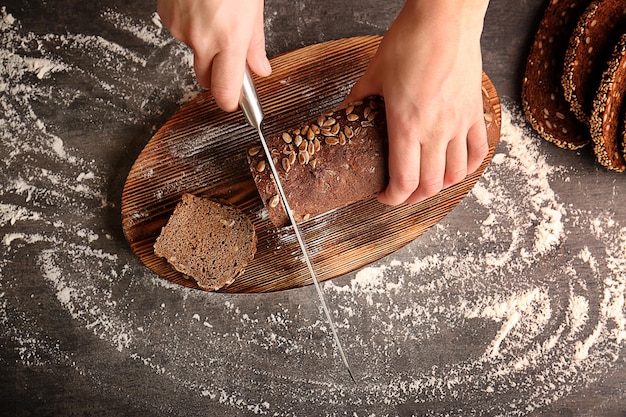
(224, 35)
(428, 68)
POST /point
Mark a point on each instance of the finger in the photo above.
(257, 56)
(456, 161)
(477, 146)
(432, 171)
(364, 87)
(202, 67)
(403, 163)
(226, 80)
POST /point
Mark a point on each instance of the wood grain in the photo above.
(201, 150)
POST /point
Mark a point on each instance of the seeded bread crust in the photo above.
(542, 93)
(608, 111)
(329, 162)
(342, 170)
(208, 241)
(589, 48)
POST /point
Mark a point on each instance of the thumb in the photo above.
(364, 87)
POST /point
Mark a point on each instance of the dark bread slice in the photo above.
(208, 241)
(329, 162)
(542, 94)
(345, 167)
(590, 46)
(608, 109)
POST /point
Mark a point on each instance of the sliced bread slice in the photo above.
(542, 94)
(589, 48)
(608, 110)
(207, 241)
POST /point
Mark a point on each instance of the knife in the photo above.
(251, 108)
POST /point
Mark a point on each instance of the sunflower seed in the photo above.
(366, 112)
(274, 201)
(342, 138)
(321, 120)
(310, 134)
(316, 129)
(331, 140)
(292, 158)
(286, 164)
(349, 109)
(330, 121)
(349, 132)
(352, 117)
(303, 146)
(304, 158)
(254, 150)
(372, 115)
(317, 144)
(335, 129)
(287, 137)
(260, 166)
(298, 140)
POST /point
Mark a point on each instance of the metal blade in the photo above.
(251, 107)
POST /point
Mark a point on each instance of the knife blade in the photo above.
(253, 112)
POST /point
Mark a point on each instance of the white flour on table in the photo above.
(511, 287)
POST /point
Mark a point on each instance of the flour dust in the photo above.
(510, 286)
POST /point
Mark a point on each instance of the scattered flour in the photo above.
(517, 296)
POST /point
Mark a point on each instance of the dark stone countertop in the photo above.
(512, 305)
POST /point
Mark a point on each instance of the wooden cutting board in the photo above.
(202, 150)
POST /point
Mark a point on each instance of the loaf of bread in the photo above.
(608, 110)
(592, 72)
(326, 163)
(543, 98)
(589, 49)
(332, 161)
(207, 241)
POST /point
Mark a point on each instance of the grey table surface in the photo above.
(512, 305)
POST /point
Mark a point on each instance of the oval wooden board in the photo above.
(201, 150)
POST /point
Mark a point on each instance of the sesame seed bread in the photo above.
(589, 48)
(608, 111)
(542, 94)
(208, 241)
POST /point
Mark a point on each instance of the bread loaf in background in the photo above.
(592, 69)
(207, 241)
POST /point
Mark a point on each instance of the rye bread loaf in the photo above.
(608, 110)
(207, 241)
(590, 46)
(542, 94)
(332, 161)
(329, 162)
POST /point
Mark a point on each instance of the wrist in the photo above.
(461, 16)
